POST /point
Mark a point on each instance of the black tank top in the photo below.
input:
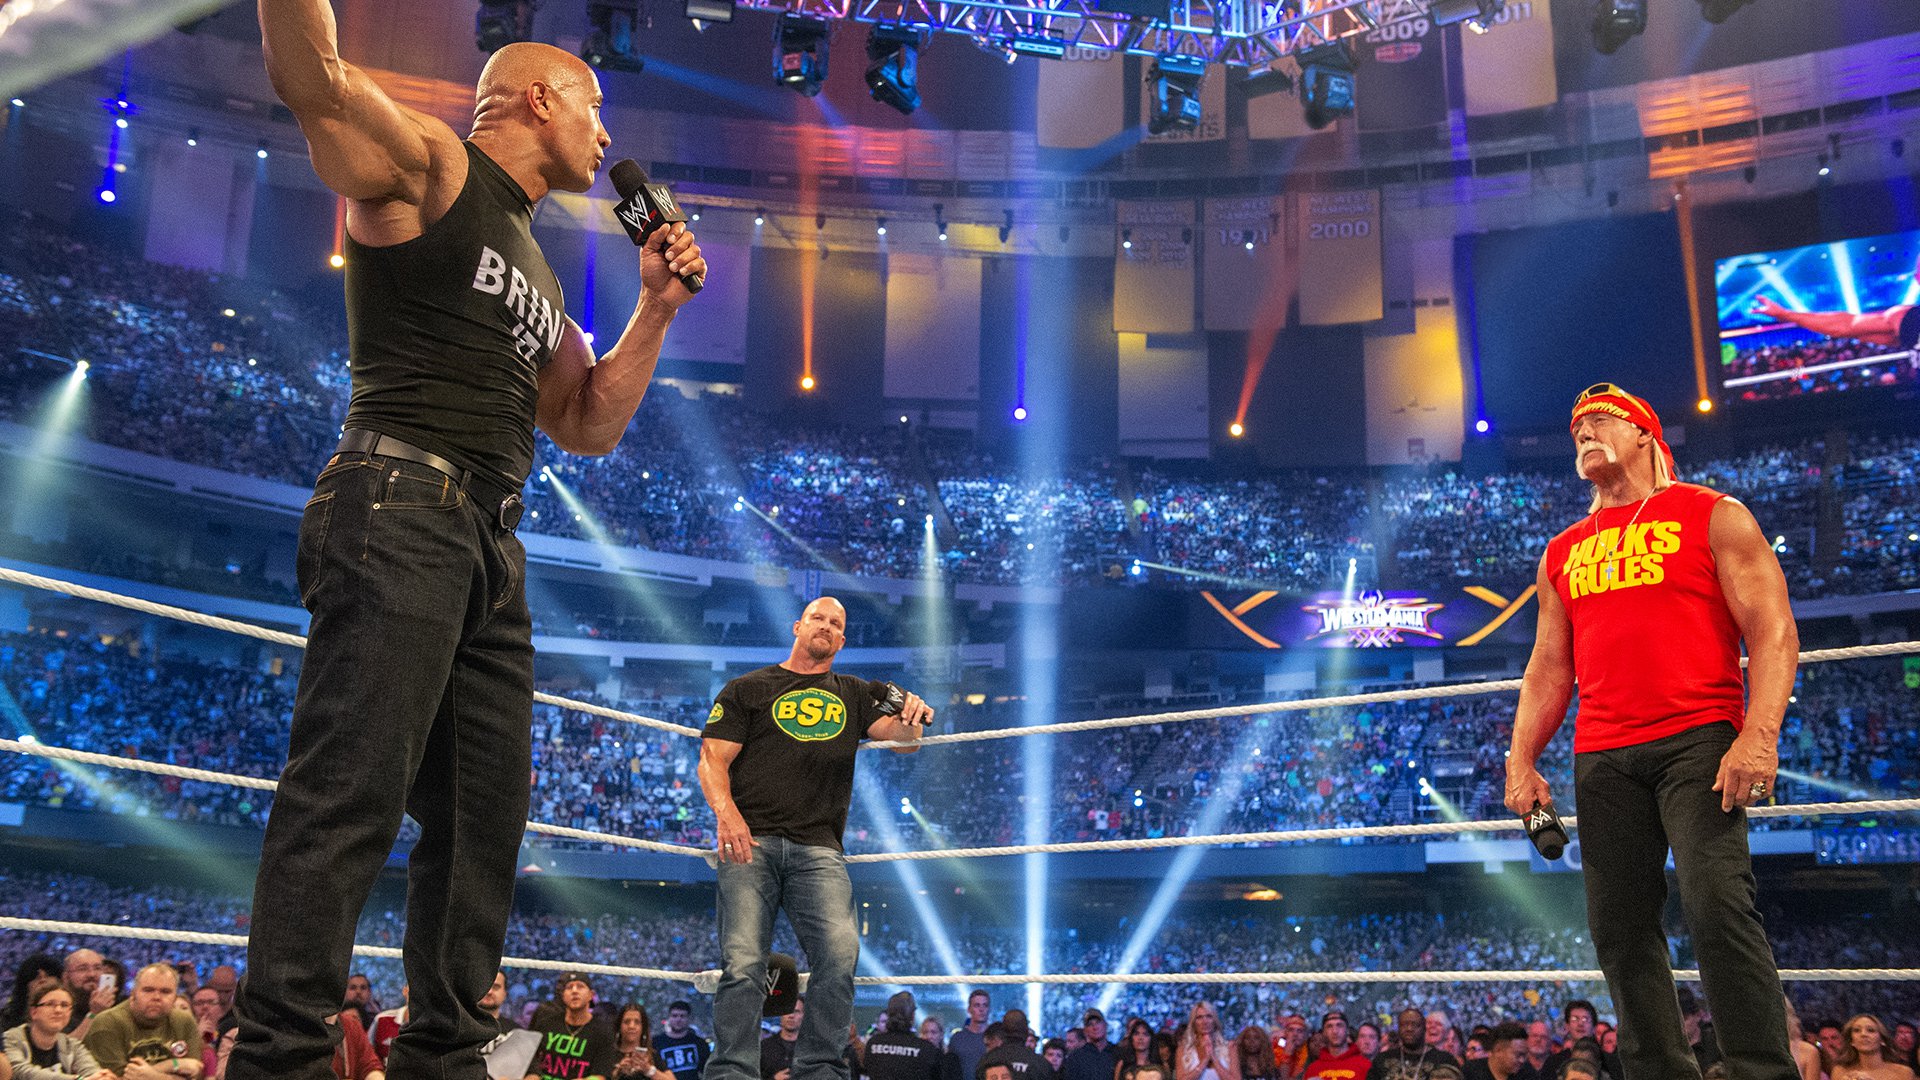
(448, 331)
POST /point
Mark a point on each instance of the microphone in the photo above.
(645, 206)
(888, 698)
(1544, 829)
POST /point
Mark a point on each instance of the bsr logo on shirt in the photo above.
(1619, 559)
(810, 715)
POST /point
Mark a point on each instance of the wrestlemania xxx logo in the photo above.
(810, 715)
(1373, 620)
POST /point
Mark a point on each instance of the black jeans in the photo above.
(416, 695)
(1634, 803)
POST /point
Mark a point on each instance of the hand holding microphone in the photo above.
(644, 209)
(1549, 836)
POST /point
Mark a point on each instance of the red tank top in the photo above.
(1655, 649)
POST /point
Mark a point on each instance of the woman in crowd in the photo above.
(932, 1030)
(1255, 1049)
(1863, 1053)
(1205, 1054)
(1135, 1048)
(41, 1049)
(634, 1044)
(1165, 1049)
(34, 971)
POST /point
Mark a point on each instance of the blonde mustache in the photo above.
(1580, 457)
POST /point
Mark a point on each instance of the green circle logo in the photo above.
(810, 715)
(716, 712)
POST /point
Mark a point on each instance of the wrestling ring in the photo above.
(705, 981)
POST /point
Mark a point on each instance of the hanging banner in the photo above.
(1213, 110)
(1340, 279)
(713, 331)
(1416, 411)
(1163, 398)
(1081, 101)
(1404, 80)
(1511, 66)
(1153, 271)
(1248, 280)
(933, 327)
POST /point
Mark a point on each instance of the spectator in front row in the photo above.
(776, 1050)
(1007, 1045)
(1410, 1057)
(386, 1025)
(1340, 1060)
(1505, 1060)
(359, 998)
(81, 974)
(493, 1003)
(573, 1041)
(1863, 1052)
(40, 1048)
(205, 1005)
(353, 1057)
(1204, 1053)
(1096, 1058)
(1366, 1039)
(633, 1046)
(968, 1042)
(1255, 1048)
(145, 1037)
(679, 1047)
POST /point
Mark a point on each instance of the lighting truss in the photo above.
(1243, 33)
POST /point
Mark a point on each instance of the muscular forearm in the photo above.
(618, 379)
(302, 51)
(1772, 658)
(1544, 696)
(717, 786)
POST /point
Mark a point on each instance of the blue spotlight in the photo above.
(107, 195)
(1019, 412)
(1482, 426)
(261, 153)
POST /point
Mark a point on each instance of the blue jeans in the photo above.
(415, 696)
(810, 884)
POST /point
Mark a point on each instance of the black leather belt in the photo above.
(479, 486)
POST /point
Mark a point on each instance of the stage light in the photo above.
(1126, 239)
(18, 103)
(1826, 169)
(1175, 82)
(1046, 48)
(759, 215)
(1249, 241)
(806, 382)
(1482, 426)
(1266, 81)
(609, 41)
(1616, 22)
(1719, 11)
(1479, 14)
(1236, 429)
(1020, 413)
(121, 123)
(880, 226)
(693, 213)
(1327, 90)
(193, 136)
(709, 11)
(800, 52)
(80, 368)
(500, 23)
(107, 195)
(893, 63)
(261, 153)
(1705, 405)
(337, 260)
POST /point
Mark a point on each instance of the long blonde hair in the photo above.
(1848, 1055)
(1191, 1035)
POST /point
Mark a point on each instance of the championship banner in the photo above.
(1405, 76)
(1415, 389)
(198, 232)
(933, 327)
(713, 331)
(1246, 286)
(1213, 111)
(1510, 66)
(1339, 243)
(1163, 399)
(1081, 101)
(1153, 268)
(1451, 616)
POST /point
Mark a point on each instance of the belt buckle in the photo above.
(511, 508)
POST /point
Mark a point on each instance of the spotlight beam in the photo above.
(875, 805)
(806, 548)
(1843, 270)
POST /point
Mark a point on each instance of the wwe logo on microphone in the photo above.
(1539, 819)
(773, 981)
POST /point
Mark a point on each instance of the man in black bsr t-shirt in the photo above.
(459, 347)
(776, 765)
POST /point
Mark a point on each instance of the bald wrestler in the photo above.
(416, 692)
(776, 765)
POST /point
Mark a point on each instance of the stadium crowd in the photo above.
(224, 373)
(1455, 1016)
(1848, 731)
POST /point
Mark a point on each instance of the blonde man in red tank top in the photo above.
(1645, 603)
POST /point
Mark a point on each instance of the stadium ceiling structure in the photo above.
(1241, 33)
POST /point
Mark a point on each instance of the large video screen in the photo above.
(1849, 294)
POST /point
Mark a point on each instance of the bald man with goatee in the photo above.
(776, 764)
(460, 346)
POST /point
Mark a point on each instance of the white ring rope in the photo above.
(1431, 828)
(1466, 689)
(706, 981)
